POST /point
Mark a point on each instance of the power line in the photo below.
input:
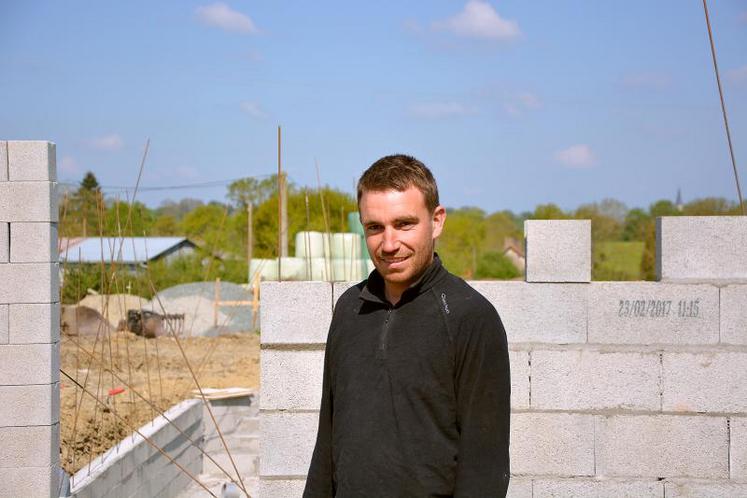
(211, 184)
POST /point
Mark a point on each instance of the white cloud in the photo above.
(480, 20)
(738, 75)
(253, 109)
(109, 142)
(439, 110)
(69, 165)
(657, 81)
(521, 102)
(220, 15)
(576, 156)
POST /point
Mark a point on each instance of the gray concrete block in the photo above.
(733, 313)
(595, 380)
(558, 250)
(597, 488)
(281, 488)
(704, 382)
(29, 364)
(295, 312)
(653, 313)
(550, 313)
(248, 465)
(738, 448)
(34, 323)
(30, 160)
(709, 489)
(29, 405)
(519, 364)
(34, 446)
(3, 160)
(287, 443)
(33, 242)
(4, 324)
(339, 288)
(553, 444)
(662, 446)
(291, 379)
(698, 248)
(4, 242)
(28, 201)
(29, 283)
(30, 482)
(519, 488)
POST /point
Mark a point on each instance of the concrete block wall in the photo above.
(29, 321)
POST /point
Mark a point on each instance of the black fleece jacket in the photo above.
(416, 397)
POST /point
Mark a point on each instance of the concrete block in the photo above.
(28, 201)
(34, 323)
(29, 405)
(704, 382)
(30, 482)
(653, 313)
(733, 314)
(662, 446)
(29, 364)
(295, 312)
(287, 443)
(4, 324)
(519, 363)
(551, 313)
(291, 379)
(519, 488)
(698, 248)
(338, 289)
(281, 488)
(3, 161)
(595, 380)
(558, 250)
(4, 242)
(710, 489)
(738, 448)
(555, 444)
(34, 446)
(29, 283)
(33, 242)
(597, 488)
(30, 160)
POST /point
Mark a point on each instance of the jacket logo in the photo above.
(446, 305)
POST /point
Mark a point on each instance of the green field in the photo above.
(617, 260)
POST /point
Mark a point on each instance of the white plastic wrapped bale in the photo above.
(345, 246)
(310, 245)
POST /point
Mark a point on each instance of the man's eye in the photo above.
(405, 225)
(373, 228)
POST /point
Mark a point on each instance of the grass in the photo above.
(617, 260)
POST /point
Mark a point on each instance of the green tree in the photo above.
(548, 212)
(251, 190)
(462, 240)
(494, 265)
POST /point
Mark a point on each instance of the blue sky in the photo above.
(511, 103)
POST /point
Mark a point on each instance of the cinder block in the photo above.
(4, 324)
(34, 446)
(519, 363)
(597, 488)
(287, 443)
(710, 489)
(595, 380)
(30, 482)
(733, 313)
(28, 201)
(3, 161)
(291, 379)
(29, 405)
(281, 488)
(550, 313)
(295, 312)
(662, 446)
(29, 283)
(697, 248)
(704, 382)
(558, 250)
(29, 364)
(653, 313)
(33, 242)
(30, 160)
(4, 242)
(555, 444)
(34, 323)
(738, 448)
(519, 488)
(339, 288)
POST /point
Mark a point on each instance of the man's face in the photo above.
(400, 234)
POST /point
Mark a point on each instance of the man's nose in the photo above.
(391, 241)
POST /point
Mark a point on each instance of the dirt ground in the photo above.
(154, 368)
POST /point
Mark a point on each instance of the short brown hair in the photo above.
(400, 172)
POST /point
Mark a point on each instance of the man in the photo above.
(416, 391)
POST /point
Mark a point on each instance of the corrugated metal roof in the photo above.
(122, 250)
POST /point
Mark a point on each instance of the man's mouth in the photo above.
(395, 261)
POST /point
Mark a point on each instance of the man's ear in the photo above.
(438, 219)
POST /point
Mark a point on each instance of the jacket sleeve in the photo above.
(483, 406)
(319, 481)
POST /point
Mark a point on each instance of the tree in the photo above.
(636, 223)
(251, 190)
(495, 265)
(548, 212)
(90, 183)
(462, 240)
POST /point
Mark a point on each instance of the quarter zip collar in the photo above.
(374, 289)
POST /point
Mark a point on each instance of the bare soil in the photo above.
(154, 368)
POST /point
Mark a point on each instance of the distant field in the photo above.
(617, 260)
